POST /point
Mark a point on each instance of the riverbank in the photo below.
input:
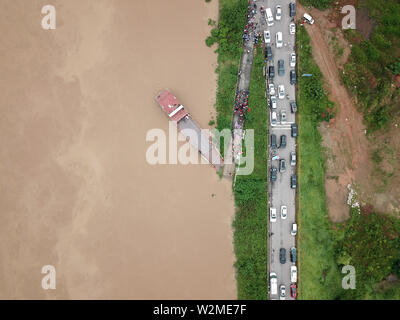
(250, 224)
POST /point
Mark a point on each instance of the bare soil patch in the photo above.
(344, 137)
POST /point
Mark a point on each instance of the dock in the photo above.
(187, 126)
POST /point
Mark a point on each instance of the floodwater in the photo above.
(76, 190)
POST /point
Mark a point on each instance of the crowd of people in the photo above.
(241, 107)
(251, 25)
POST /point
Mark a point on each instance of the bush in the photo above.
(319, 4)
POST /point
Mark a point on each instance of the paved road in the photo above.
(280, 192)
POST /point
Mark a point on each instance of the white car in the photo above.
(267, 36)
(272, 214)
(274, 119)
(292, 28)
(279, 40)
(282, 296)
(283, 116)
(278, 15)
(293, 232)
(281, 91)
(308, 18)
(293, 59)
(283, 212)
(273, 102)
(271, 89)
(293, 274)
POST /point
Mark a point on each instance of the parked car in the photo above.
(273, 282)
(271, 89)
(308, 18)
(271, 72)
(273, 141)
(282, 255)
(269, 17)
(293, 231)
(278, 15)
(292, 59)
(274, 118)
(293, 274)
(293, 254)
(293, 181)
(274, 173)
(292, 77)
(282, 145)
(272, 214)
(294, 130)
(282, 295)
(292, 28)
(282, 165)
(267, 36)
(268, 53)
(293, 291)
(293, 158)
(283, 116)
(273, 102)
(292, 9)
(281, 67)
(279, 39)
(283, 212)
(281, 91)
(293, 106)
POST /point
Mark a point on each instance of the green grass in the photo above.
(319, 276)
(319, 4)
(250, 225)
(373, 63)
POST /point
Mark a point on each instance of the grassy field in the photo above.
(319, 276)
(251, 219)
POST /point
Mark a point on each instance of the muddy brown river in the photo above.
(76, 190)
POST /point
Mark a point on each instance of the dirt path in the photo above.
(344, 137)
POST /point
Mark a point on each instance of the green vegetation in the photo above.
(228, 35)
(320, 4)
(371, 243)
(319, 276)
(373, 63)
(250, 191)
(250, 224)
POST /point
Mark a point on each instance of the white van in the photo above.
(308, 18)
(269, 17)
(273, 280)
(279, 40)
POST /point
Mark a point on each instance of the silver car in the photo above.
(293, 158)
(281, 91)
(292, 59)
(282, 295)
(283, 116)
(271, 88)
(278, 15)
